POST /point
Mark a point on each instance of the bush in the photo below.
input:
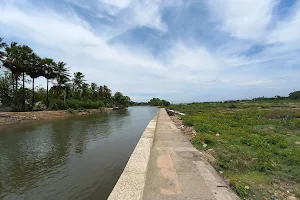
(77, 105)
(57, 105)
(39, 106)
(232, 106)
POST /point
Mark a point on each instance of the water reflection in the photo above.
(75, 158)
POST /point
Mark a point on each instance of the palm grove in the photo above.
(22, 65)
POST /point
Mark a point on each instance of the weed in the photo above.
(254, 145)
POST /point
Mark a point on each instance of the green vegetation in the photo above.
(22, 65)
(158, 102)
(256, 143)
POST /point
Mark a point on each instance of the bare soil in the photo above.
(21, 117)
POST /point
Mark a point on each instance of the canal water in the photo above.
(76, 158)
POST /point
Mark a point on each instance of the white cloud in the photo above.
(188, 71)
(287, 30)
(244, 19)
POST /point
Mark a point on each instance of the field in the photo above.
(256, 144)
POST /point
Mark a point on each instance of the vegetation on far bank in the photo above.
(256, 143)
(153, 102)
(22, 65)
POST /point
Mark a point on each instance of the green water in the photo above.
(75, 158)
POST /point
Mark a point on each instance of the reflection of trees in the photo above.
(26, 170)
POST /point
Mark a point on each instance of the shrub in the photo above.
(57, 105)
(232, 106)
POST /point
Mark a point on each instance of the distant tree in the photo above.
(50, 73)
(2, 53)
(78, 80)
(35, 70)
(6, 95)
(120, 100)
(62, 78)
(294, 95)
(94, 90)
(17, 61)
(158, 102)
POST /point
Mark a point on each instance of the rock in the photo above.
(217, 134)
(291, 198)
(298, 143)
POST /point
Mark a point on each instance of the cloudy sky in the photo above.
(179, 50)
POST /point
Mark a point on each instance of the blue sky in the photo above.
(179, 50)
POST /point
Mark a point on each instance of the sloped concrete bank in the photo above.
(131, 183)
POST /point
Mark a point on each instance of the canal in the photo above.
(76, 158)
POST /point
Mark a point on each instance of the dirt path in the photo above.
(20, 117)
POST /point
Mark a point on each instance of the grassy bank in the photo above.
(256, 144)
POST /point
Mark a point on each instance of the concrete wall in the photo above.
(131, 183)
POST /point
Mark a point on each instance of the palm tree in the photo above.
(49, 73)
(63, 77)
(34, 71)
(93, 90)
(2, 53)
(101, 92)
(27, 54)
(14, 62)
(78, 80)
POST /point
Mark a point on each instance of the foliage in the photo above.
(66, 92)
(158, 102)
(294, 95)
(254, 147)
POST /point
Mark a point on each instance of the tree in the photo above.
(120, 100)
(49, 73)
(27, 55)
(78, 80)
(294, 95)
(106, 94)
(35, 70)
(2, 53)
(158, 102)
(17, 62)
(94, 90)
(62, 78)
(85, 91)
(5, 89)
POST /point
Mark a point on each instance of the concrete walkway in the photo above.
(178, 171)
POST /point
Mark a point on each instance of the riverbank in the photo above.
(22, 117)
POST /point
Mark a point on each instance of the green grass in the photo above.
(253, 143)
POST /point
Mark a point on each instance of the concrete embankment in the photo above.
(131, 183)
(165, 165)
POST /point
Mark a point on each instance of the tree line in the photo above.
(22, 65)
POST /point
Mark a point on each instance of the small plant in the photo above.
(232, 106)
(72, 111)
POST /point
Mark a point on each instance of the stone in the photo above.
(291, 198)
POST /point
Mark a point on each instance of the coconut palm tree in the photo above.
(35, 70)
(93, 90)
(62, 78)
(78, 80)
(2, 53)
(50, 73)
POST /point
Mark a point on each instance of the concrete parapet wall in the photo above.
(131, 183)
